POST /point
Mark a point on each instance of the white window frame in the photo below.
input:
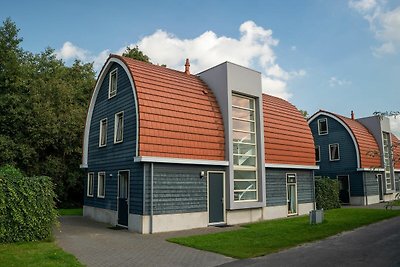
(98, 183)
(112, 93)
(101, 133)
(319, 130)
(338, 149)
(387, 164)
(319, 153)
(90, 175)
(295, 186)
(116, 129)
(247, 168)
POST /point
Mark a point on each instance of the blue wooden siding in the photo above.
(371, 182)
(114, 157)
(347, 165)
(276, 186)
(177, 188)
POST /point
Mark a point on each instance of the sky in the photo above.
(335, 55)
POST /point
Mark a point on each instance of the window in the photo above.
(322, 126)
(244, 148)
(119, 127)
(103, 133)
(334, 152)
(317, 154)
(386, 160)
(291, 185)
(112, 86)
(101, 185)
(90, 182)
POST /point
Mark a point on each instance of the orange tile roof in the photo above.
(396, 151)
(179, 116)
(365, 141)
(288, 138)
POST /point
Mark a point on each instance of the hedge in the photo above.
(327, 193)
(27, 206)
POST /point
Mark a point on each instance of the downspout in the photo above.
(151, 197)
(314, 200)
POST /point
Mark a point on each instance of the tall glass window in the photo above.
(386, 160)
(244, 148)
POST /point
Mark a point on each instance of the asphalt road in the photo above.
(374, 245)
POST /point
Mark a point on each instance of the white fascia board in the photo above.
(371, 169)
(181, 161)
(396, 170)
(292, 166)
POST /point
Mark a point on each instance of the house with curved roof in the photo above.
(167, 150)
(358, 153)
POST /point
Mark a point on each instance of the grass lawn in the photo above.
(266, 237)
(35, 254)
(69, 212)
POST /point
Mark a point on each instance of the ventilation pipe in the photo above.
(187, 67)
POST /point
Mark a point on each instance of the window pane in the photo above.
(242, 102)
(244, 175)
(322, 126)
(317, 153)
(244, 149)
(241, 137)
(120, 127)
(242, 114)
(101, 185)
(291, 178)
(243, 125)
(334, 149)
(244, 160)
(247, 195)
(244, 185)
(103, 133)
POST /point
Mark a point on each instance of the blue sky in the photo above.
(322, 54)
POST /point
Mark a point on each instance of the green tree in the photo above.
(43, 105)
(136, 53)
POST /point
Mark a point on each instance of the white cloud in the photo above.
(395, 125)
(335, 82)
(385, 24)
(254, 48)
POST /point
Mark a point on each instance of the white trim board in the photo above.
(371, 169)
(181, 161)
(291, 166)
(345, 126)
(99, 82)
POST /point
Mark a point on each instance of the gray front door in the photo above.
(123, 197)
(216, 200)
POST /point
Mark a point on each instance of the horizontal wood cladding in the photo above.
(288, 139)
(179, 116)
(276, 194)
(396, 151)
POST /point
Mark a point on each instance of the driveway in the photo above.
(94, 244)
(374, 245)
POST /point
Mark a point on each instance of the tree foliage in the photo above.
(43, 107)
(136, 53)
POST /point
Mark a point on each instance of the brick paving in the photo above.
(94, 244)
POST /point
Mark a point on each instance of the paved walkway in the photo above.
(94, 244)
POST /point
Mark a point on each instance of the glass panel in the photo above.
(245, 185)
(247, 195)
(317, 153)
(244, 160)
(123, 185)
(243, 125)
(242, 114)
(334, 151)
(101, 184)
(323, 129)
(249, 175)
(103, 132)
(244, 149)
(292, 199)
(113, 83)
(119, 127)
(242, 102)
(90, 184)
(241, 137)
(291, 178)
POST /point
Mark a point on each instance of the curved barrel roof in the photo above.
(287, 136)
(179, 116)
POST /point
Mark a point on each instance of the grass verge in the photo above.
(266, 237)
(42, 253)
(69, 212)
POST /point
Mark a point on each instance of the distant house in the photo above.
(358, 153)
(166, 150)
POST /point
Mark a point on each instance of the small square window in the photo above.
(103, 133)
(119, 127)
(90, 182)
(334, 152)
(291, 178)
(322, 126)
(317, 154)
(101, 185)
(112, 86)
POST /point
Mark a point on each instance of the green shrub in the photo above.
(27, 207)
(327, 193)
